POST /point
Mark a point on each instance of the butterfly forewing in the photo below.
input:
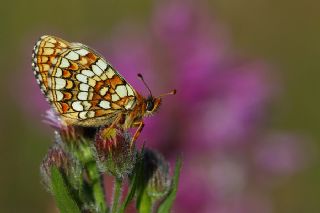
(80, 85)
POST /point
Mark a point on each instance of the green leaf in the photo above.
(167, 203)
(140, 183)
(62, 195)
(96, 186)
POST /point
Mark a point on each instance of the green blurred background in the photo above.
(284, 33)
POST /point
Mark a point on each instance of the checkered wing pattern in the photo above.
(80, 85)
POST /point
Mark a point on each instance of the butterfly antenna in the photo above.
(141, 78)
(173, 92)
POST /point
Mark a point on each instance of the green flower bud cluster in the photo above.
(76, 167)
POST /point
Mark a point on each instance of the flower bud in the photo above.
(114, 153)
(69, 168)
(156, 172)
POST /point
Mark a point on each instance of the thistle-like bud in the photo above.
(156, 173)
(68, 167)
(114, 153)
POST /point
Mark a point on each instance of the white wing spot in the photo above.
(83, 96)
(110, 73)
(115, 97)
(96, 70)
(121, 90)
(64, 63)
(59, 95)
(72, 56)
(77, 106)
(104, 104)
(54, 61)
(88, 73)
(82, 52)
(82, 78)
(103, 65)
(58, 72)
(60, 83)
(39, 77)
(84, 87)
(104, 90)
(43, 88)
(83, 115)
(130, 91)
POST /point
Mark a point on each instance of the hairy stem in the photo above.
(116, 195)
(97, 187)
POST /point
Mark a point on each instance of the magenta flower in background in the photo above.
(279, 154)
(217, 117)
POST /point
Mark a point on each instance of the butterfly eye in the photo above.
(150, 105)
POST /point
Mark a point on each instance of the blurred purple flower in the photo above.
(218, 114)
(280, 154)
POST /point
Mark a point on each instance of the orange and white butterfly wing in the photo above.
(80, 85)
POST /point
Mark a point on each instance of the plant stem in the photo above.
(97, 188)
(116, 194)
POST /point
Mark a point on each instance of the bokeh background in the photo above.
(245, 117)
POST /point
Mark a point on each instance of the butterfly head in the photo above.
(152, 103)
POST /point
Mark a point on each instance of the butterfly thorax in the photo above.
(144, 107)
(137, 113)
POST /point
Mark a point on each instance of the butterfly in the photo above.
(85, 90)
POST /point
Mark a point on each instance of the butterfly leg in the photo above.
(140, 126)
